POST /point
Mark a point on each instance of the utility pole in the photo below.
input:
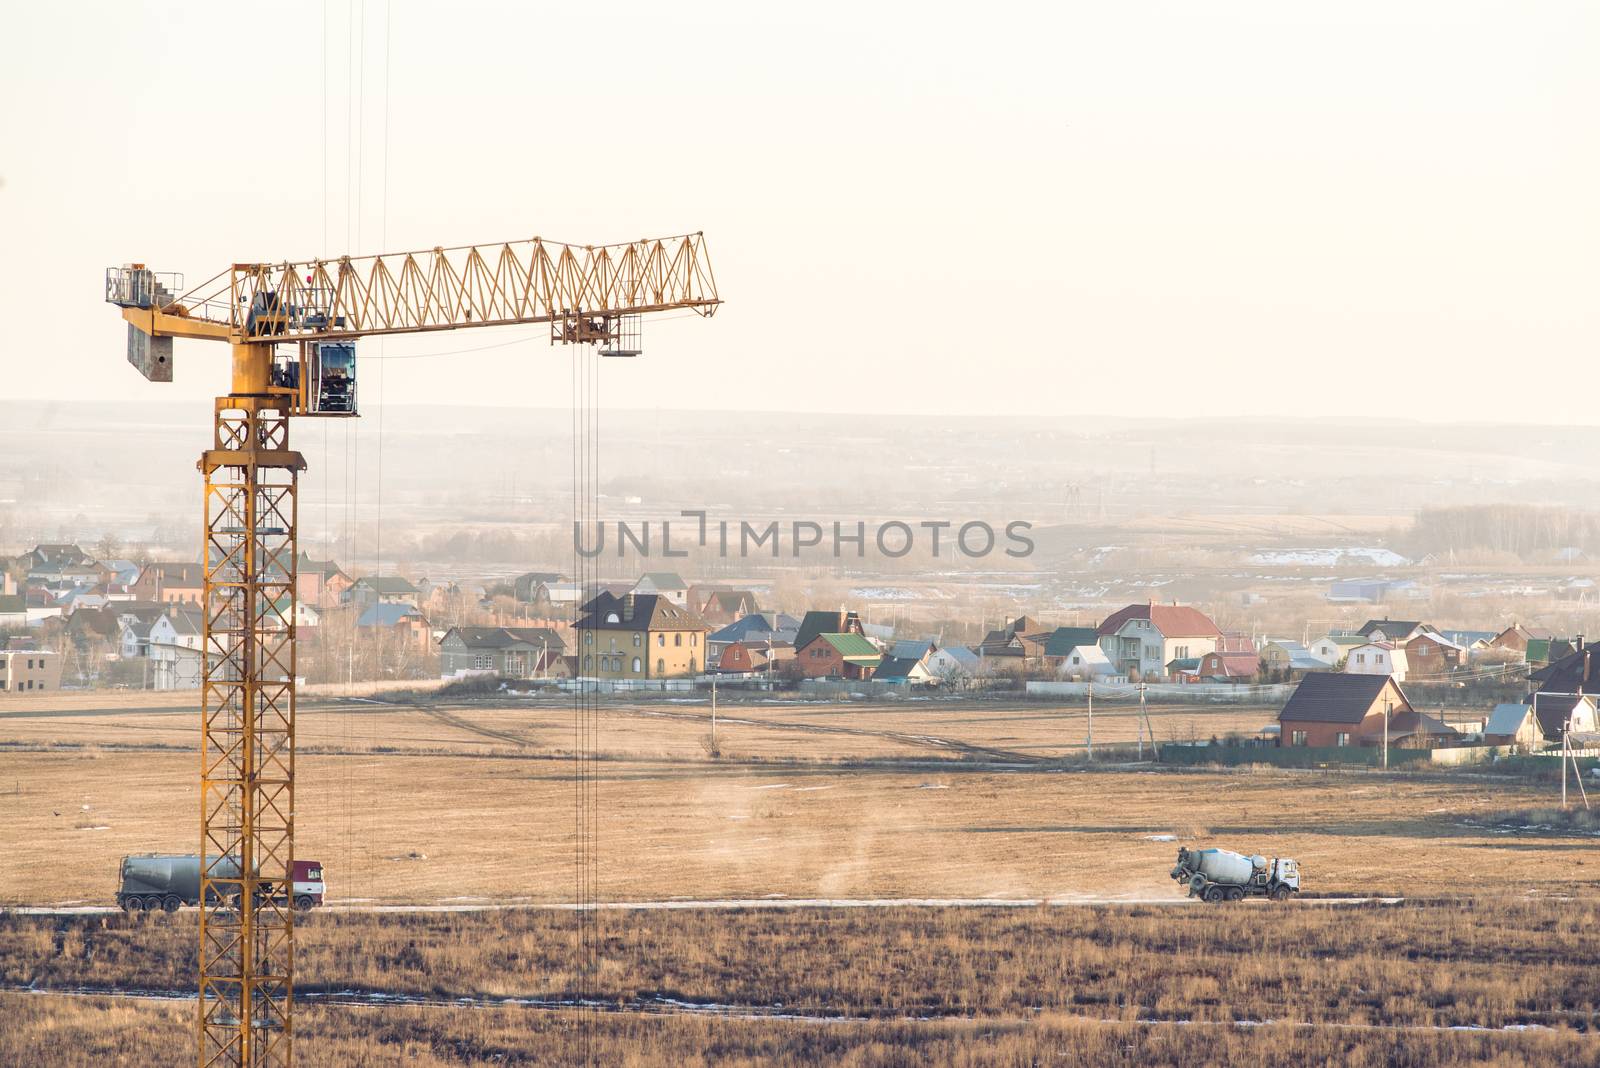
(1566, 756)
(1089, 738)
(713, 711)
(1146, 726)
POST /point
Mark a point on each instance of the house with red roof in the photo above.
(1143, 638)
(1229, 667)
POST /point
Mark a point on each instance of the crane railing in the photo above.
(448, 288)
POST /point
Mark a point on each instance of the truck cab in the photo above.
(308, 888)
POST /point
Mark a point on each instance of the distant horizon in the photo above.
(369, 411)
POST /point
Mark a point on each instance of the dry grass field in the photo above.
(1443, 983)
(458, 804)
(475, 804)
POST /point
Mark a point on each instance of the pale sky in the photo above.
(1382, 209)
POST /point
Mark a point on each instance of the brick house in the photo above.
(640, 636)
(320, 583)
(1338, 709)
(837, 656)
(1433, 654)
(720, 607)
(1230, 667)
(171, 583)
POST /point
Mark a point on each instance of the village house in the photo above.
(178, 626)
(1576, 673)
(53, 558)
(1337, 709)
(1433, 655)
(1516, 637)
(1398, 631)
(721, 606)
(668, 585)
(821, 621)
(13, 610)
(1555, 712)
(757, 627)
(1142, 638)
(1228, 667)
(755, 658)
(904, 671)
(510, 652)
(1019, 644)
(1282, 658)
(1513, 723)
(320, 583)
(1333, 648)
(29, 671)
(1377, 658)
(1077, 655)
(171, 583)
(640, 636)
(1063, 640)
(837, 656)
(381, 589)
(303, 614)
(406, 623)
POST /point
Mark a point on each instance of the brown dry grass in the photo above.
(419, 806)
(957, 986)
(65, 1033)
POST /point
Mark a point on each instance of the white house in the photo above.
(1086, 662)
(1146, 637)
(1377, 658)
(177, 626)
(1331, 648)
(951, 664)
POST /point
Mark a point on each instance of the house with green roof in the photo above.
(837, 656)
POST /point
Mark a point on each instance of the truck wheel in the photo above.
(1280, 893)
(1235, 893)
(171, 902)
(1213, 894)
(303, 903)
(137, 904)
(129, 904)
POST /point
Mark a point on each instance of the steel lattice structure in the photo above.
(588, 294)
(247, 743)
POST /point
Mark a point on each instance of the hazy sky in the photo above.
(1152, 208)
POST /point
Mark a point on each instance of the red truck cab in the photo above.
(308, 885)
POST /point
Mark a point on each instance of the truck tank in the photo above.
(1222, 866)
(162, 874)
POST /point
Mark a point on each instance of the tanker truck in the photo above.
(165, 881)
(1218, 875)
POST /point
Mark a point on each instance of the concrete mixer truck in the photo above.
(166, 881)
(1218, 875)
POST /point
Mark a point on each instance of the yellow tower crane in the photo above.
(292, 329)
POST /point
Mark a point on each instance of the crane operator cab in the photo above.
(322, 374)
(330, 373)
